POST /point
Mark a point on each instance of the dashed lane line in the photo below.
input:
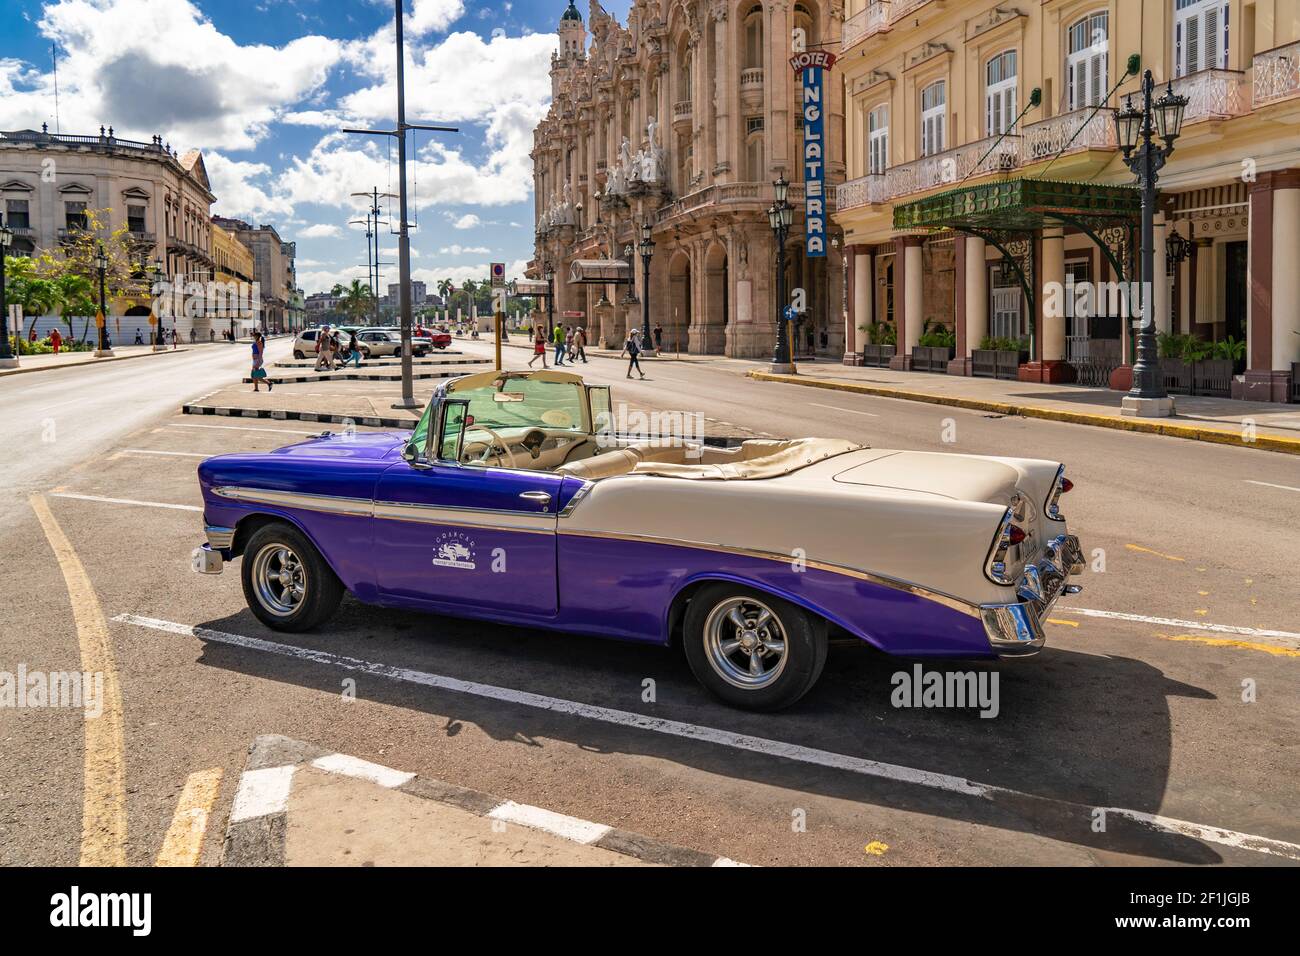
(1269, 484)
(712, 735)
(103, 808)
(1174, 622)
(851, 411)
(170, 454)
(184, 840)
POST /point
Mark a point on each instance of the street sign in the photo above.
(810, 65)
(498, 274)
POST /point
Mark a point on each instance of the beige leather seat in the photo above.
(622, 461)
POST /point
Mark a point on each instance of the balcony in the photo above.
(682, 113)
(1213, 94)
(751, 79)
(752, 197)
(864, 191)
(1079, 130)
(949, 168)
(1277, 75)
(903, 8)
(866, 23)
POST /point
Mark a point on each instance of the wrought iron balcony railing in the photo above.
(1213, 94)
(1081, 129)
(1277, 75)
(981, 158)
(903, 7)
(751, 78)
(865, 23)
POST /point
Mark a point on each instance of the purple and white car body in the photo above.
(511, 501)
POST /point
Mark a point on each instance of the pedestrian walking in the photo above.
(659, 337)
(139, 339)
(580, 343)
(194, 336)
(539, 347)
(259, 355)
(354, 351)
(558, 338)
(322, 347)
(175, 337)
(56, 340)
(569, 348)
(632, 349)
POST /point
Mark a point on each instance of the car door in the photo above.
(466, 538)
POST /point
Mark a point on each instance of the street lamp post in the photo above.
(7, 359)
(101, 265)
(647, 248)
(1137, 130)
(780, 215)
(550, 303)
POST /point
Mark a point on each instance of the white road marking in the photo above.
(537, 818)
(1266, 484)
(363, 770)
(125, 501)
(262, 792)
(727, 861)
(1174, 622)
(244, 428)
(851, 411)
(722, 738)
(175, 454)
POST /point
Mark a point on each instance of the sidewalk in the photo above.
(1220, 420)
(39, 363)
(299, 805)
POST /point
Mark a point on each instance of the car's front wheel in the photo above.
(287, 583)
(752, 649)
(298, 355)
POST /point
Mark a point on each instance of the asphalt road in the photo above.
(1145, 717)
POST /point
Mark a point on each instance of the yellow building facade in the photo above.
(233, 269)
(970, 198)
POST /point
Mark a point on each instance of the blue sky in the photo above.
(263, 87)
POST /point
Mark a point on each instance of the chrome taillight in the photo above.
(1052, 507)
(995, 568)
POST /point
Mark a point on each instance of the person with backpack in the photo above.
(632, 349)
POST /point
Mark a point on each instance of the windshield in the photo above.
(549, 405)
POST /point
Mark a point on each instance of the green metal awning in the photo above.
(1020, 205)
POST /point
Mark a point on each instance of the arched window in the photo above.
(1200, 35)
(1000, 100)
(934, 114)
(878, 140)
(754, 51)
(684, 73)
(1088, 66)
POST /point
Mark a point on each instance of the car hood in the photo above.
(356, 446)
(961, 477)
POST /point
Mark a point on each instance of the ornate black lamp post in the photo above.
(550, 303)
(6, 356)
(779, 216)
(160, 275)
(101, 266)
(647, 249)
(1137, 130)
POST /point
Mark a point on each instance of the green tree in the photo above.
(75, 296)
(355, 300)
(445, 288)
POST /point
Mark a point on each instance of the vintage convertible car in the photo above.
(514, 500)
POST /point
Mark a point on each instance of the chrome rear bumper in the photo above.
(1016, 629)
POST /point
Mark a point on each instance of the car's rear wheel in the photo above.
(397, 352)
(752, 649)
(287, 583)
(298, 355)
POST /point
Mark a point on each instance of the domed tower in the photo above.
(573, 34)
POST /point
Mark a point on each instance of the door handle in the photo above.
(541, 497)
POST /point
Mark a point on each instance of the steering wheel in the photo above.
(488, 446)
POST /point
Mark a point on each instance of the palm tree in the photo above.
(445, 288)
(26, 287)
(75, 295)
(355, 300)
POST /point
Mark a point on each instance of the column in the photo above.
(909, 308)
(975, 301)
(1160, 294)
(726, 80)
(861, 272)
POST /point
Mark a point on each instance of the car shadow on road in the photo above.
(1074, 732)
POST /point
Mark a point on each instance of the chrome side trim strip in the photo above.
(523, 522)
(947, 600)
(328, 504)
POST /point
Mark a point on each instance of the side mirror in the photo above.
(411, 455)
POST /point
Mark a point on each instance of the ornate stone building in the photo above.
(681, 120)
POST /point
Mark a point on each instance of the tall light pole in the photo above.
(647, 248)
(779, 216)
(403, 236)
(1137, 129)
(7, 359)
(101, 320)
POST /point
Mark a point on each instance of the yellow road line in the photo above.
(1229, 642)
(103, 808)
(1057, 620)
(1141, 550)
(184, 840)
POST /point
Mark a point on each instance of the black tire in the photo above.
(321, 590)
(397, 352)
(800, 663)
(298, 355)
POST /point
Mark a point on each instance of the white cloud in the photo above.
(320, 230)
(459, 273)
(458, 250)
(467, 221)
(243, 189)
(159, 66)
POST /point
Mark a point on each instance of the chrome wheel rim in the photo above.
(279, 579)
(745, 643)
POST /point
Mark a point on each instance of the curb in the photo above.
(101, 361)
(1217, 436)
(255, 832)
(282, 415)
(352, 377)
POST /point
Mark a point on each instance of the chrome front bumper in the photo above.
(210, 557)
(1016, 630)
